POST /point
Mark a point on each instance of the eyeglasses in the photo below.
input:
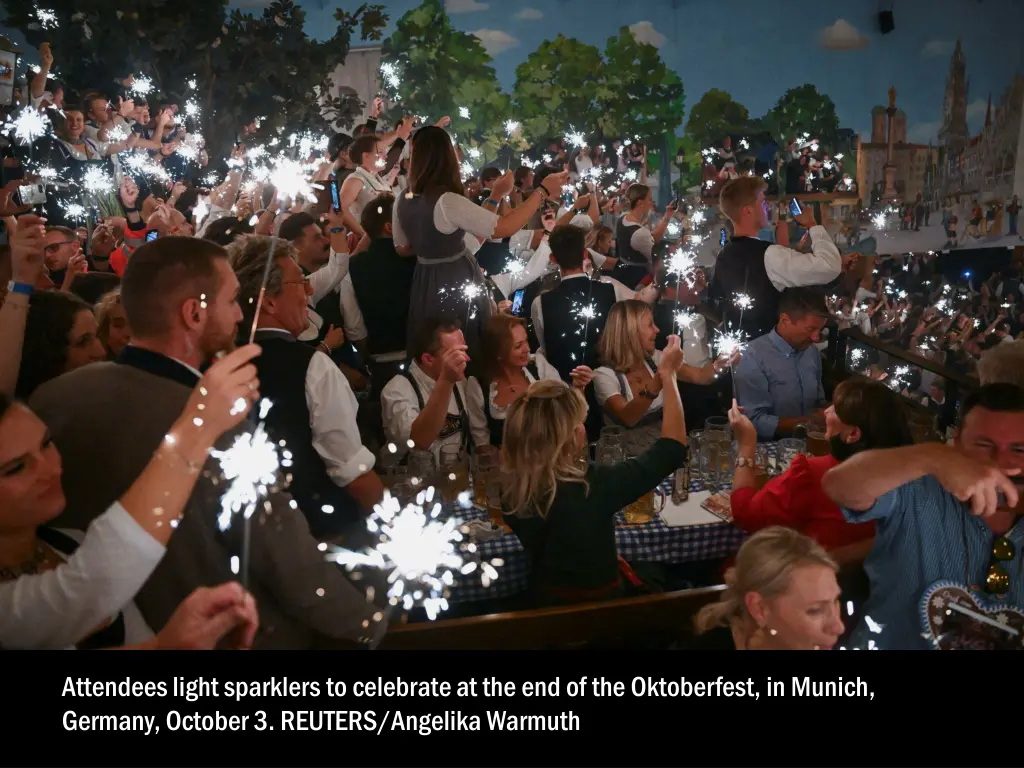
(998, 580)
(54, 247)
(303, 281)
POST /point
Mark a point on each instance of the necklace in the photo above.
(29, 567)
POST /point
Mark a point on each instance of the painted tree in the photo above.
(244, 66)
(640, 96)
(442, 71)
(716, 115)
(560, 87)
(802, 110)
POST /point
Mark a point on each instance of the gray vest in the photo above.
(416, 217)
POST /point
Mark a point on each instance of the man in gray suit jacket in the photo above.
(107, 419)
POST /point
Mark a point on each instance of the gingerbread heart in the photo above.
(955, 619)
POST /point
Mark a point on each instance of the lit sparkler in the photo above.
(422, 553)
(29, 125)
(97, 181)
(389, 72)
(47, 18)
(464, 113)
(575, 139)
(142, 85)
(511, 126)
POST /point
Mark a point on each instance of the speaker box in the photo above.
(885, 22)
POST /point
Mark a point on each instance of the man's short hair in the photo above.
(427, 338)
(295, 226)
(337, 144)
(489, 174)
(800, 302)
(66, 231)
(377, 214)
(999, 398)
(161, 275)
(1003, 364)
(738, 194)
(224, 231)
(248, 256)
(567, 244)
(521, 173)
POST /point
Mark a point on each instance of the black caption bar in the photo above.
(480, 709)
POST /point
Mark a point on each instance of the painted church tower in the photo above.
(954, 134)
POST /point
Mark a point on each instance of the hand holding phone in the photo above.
(795, 208)
(335, 195)
(517, 302)
(723, 237)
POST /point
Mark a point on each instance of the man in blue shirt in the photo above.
(778, 379)
(944, 514)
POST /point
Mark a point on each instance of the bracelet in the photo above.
(543, 192)
(743, 461)
(169, 446)
(489, 202)
(26, 289)
(336, 230)
(322, 346)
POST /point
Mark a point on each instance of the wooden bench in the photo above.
(574, 626)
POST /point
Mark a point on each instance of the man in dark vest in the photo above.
(375, 296)
(325, 261)
(762, 270)
(569, 318)
(314, 409)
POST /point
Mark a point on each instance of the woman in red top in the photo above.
(864, 415)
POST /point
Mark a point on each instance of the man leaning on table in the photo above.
(778, 379)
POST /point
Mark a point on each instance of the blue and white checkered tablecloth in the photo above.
(651, 542)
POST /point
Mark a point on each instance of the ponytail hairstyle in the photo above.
(765, 565)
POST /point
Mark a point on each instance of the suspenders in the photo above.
(467, 442)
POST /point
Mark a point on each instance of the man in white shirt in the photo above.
(314, 409)
(761, 270)
(425, 407)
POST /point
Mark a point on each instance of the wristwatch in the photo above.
(743, 461)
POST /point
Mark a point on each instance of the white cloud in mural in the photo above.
(496, 41)
(464, 6)
(842, 36)
(937, 48)
(645, 32)
(529, 14)
(977, 108)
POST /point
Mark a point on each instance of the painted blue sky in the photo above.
(755, 49)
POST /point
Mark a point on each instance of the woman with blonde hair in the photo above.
(509, 369)
(782, 594)
(599, 243)
(564, 511)
(629, 383)
(112, 323)
(634, 242)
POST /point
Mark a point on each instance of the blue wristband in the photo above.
(25, 288)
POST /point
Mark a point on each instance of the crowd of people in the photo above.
(411, 313)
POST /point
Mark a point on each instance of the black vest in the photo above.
(740, 269)
(382, 281)
(497, 426)
(564, 344)
(632, 266)
(282, 370)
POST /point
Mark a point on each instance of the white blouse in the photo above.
(545, 370)
(58, 608)
(607, 385)
(451, 212)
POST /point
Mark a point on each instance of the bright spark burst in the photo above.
(290, 179)
(97, 181)
(251, 464)
(29, 125)
(729, 342)
(684, 319)
(47, 19)
(742, 301)
(575, 139)
(192, 108)
(474, 153)
(511, 126)
(192, 84)
(421, 552)
(464, 113)
(142, 85)
(74, 211)
(683, 264)
(390, 74)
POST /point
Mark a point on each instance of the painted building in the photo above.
(359, 76)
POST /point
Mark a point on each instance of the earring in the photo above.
(772, 632)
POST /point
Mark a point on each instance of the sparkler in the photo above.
(727, 344)
(464, 113)
(47, 18)
(421, 553)
(142, 85)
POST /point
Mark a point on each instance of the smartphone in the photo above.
(517, 302)
(31, 194)
(335, 196)
(795, 208)
(152, 235)
(723, 237)
(568, 199)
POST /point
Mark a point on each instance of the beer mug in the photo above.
(454, 473)
(789, 449)
(641, 510)
(422, 468)
(485, 463)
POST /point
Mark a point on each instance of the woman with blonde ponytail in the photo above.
(564, 511)
(782, 594)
